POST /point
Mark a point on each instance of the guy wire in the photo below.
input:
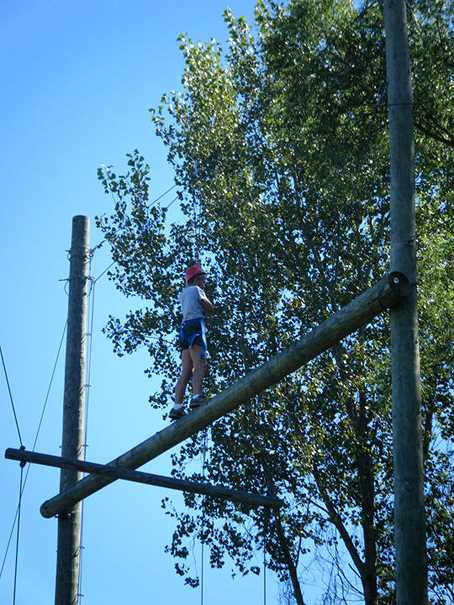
(34, 446)
(11, 397)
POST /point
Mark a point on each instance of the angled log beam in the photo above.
(388, 292)
(116, 472)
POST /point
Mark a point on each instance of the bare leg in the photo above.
(200, 366)
(186, 372)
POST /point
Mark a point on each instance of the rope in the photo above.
(11, 397)
(105, 271)
(34, 446)
(19, 507)
(202, 563)
(90, 357)
(197, 228)
(48, 391)
(264, 574)
(171, 203)
(202, 575)
(113, 262)
(265, 528)
(162, 195)
(196, 210)
(196, 214)
(151, 205)
(87, 405)
(9, 542)
(100, 245)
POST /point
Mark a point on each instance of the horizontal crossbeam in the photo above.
(116, 472)
(387, 293)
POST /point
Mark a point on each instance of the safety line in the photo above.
(264, 574)
(162, 195)
(266, 518)
(19, 507)
(171, 203)
(87, 405)
(11, 397)
(202, 563)
(113, 262)
(95, 279)
(202, 574)
(90, 357)
(151, 205)
(196, 212)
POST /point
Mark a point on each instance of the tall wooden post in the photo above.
(410, 540)
(68, 549)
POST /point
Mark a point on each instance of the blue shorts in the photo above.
(193, 332)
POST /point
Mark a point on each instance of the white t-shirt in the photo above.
(191, 303)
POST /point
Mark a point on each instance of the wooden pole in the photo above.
(386, 293)
(410, 537)
(116, 472)
(68, 547)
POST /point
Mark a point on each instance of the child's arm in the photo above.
(207, 304)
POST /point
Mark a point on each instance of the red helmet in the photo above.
(193, 271)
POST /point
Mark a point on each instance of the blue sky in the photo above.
(78, 79)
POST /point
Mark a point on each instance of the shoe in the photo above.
(197, 401)
(177, 412)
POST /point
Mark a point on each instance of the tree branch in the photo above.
(445, 140)
(338, 523)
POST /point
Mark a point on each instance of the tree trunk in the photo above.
(358, 418)
(367, 491)
(293, 572)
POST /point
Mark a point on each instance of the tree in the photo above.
(280, 155)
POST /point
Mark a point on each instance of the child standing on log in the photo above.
(192, 336)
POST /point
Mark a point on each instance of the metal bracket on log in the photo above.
(386, 293)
